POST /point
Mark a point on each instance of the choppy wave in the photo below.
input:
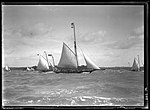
(67, 97)
(74, 101)
(101, 88)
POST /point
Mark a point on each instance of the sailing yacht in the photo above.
(6, 68)
(44, 65)
(135, 66)
(28, 69)
(69, 60)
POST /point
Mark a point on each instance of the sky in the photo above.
(110, 35)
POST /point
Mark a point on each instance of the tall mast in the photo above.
(75, 47)
(138, 61)
(52, 59)
(47, 58)
(53, 67)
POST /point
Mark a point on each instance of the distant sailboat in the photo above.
(69, 60)
(43, 64)
(142, 68)
(28, 69)
(135, 66)
(32, 69)
(6, 68)
(142, 63)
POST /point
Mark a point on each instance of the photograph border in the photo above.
(146, 12)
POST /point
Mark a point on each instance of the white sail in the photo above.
(47, 59)
(135, 66)
(28, 69)
(7, 68)
(68, 58)
(90, 63)
(43, 64)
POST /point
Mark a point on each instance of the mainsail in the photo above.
(68, 58)
(135, 66)
(90, 63)
(43, 64)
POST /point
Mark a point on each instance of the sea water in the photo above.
(99, 88)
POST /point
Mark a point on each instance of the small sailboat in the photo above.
(135, 66)
(6, 68)
(32, 69)
(43, 64)
(142, 68)
(28, 69)
(69, 60)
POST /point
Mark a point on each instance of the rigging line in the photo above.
(80, 49)
(43, 57)
(49, 64)
(81, 54)
(69, 48)
(70, 45)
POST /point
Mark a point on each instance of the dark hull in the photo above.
(70, 70)
(135, 70)
(44, 70)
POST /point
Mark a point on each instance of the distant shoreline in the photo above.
(102, 68)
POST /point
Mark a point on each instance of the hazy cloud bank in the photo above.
(135, 38)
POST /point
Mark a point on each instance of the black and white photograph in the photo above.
(73, 55)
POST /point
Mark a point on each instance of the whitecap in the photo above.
(30, 101)
(87, 97)
(81, 98)
(73, 102)
(38, 100)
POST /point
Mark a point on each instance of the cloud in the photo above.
(36, 30)
(126, 44)
(26, 39)
(135, 38)
(39, 29)
(95, 37)
(26, 35)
